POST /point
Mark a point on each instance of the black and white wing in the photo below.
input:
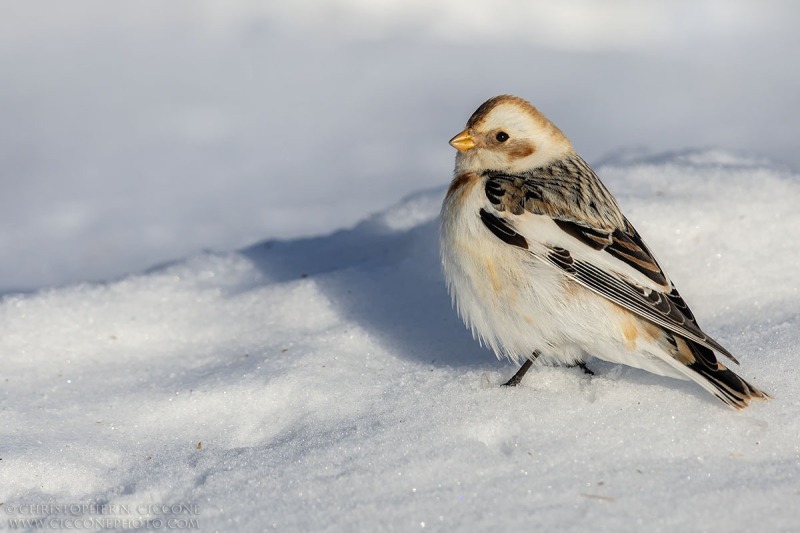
(572, 223)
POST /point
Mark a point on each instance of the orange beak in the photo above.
(462, 141)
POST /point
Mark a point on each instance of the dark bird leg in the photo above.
(516, 378)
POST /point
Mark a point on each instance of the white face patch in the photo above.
(525, 127)
(509, 118)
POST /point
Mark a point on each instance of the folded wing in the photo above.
(602, 252)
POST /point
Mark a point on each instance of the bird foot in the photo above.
(516, 378)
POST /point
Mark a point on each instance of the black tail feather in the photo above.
(729, 387)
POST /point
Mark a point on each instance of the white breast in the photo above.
(510, 300)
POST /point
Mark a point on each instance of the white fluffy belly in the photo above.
(510, 300)
(516, 304)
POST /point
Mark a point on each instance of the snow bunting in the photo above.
(542, 264)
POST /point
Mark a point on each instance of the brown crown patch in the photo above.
(491, 103)
(483, 111)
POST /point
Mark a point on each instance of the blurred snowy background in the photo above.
(137, 133)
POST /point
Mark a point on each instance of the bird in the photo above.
(543, 267)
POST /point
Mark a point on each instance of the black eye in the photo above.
(501, 137)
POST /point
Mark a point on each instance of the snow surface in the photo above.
(324, 382)
(333, 388)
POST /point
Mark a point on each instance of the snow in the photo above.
(333, 388)
(319, 379)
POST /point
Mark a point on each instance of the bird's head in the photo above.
(508, 134)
